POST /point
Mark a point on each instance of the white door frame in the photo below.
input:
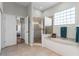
(26, 30)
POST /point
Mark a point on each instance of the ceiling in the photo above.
(23, 3)
(39, 5)
(43, 5)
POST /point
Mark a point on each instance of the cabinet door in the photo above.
(64, 32)
(77, 34)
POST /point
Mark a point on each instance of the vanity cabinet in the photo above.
(60, 46)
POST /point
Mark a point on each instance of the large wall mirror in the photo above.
(48, 25)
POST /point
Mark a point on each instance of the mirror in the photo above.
(48, 25)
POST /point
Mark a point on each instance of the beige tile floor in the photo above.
(25, 50)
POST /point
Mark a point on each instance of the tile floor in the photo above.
(25, 50)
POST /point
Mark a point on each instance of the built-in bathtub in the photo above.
(60, 45)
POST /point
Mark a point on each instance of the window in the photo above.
(65, 17)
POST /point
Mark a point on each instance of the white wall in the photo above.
(14, 9)
(1, 6)
(3, 31)
(36, 13)
(18, 10)
(0, 31)
(30, 34)
(60, 7)
(10, 32)
(32, 13)
(1, 10)
(11, 9)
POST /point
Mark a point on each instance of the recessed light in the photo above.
(41, 7)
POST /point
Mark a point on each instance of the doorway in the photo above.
(37, 33)
(37, 29)
(20, 27)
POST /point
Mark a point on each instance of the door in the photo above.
(26, 30)
(63, 32)
(77, 34)
(37, 33)
(0, 31)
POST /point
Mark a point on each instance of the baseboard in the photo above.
(10, 45)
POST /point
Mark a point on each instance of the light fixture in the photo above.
(41, 7)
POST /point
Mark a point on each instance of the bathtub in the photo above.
(60, 45)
